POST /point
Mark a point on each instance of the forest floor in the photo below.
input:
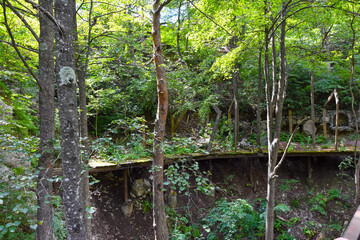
(320, 207)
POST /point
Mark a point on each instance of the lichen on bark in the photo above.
(67, 76)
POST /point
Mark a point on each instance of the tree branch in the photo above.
(48, 15)
(208, 17)
(14, 45)
(273, 174)
(23, 20)
(27, 48)
(161, 6)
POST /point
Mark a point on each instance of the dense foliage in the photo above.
(204, 43)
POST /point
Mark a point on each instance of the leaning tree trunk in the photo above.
(159, 218)
(47, 127)
(69, 124)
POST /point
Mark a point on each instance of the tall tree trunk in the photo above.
(81, 72)
(69, 123)
(159, 218)
(352, 73)
(258, 104)
(236, 108)
(312, 98)
(47, 127)
(178, 33)
(278, 95)
(216, 124)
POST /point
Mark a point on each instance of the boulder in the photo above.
(127, 209)
(5, 110)
(141, 187)
(307, 128)
(14, 159)
(5, 173)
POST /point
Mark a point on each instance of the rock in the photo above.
(127, 209)
(5, 173)
(110, 176)
(141, 187)
(5, 110)
(307, 128)
(245, 144)
(14, 159)
(172, 200)
(321, 236)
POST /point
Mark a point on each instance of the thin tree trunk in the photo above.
(324, 123)
(278, 95)
(336, 119)
(258, 105)
(236, 108)
(352, 73)
(312, 97)
(216, 124)
(69, 123)
(81, 72)
(290, 121)
(47, 127)
(178, 33)
(161, 231)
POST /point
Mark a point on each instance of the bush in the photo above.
(232, 220)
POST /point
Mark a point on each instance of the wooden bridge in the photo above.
(97, 165)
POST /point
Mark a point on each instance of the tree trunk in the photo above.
(336, 119)
(69, 124)
(236, 108)
(216, 124)
(178, 33)
(312, 97)
(258, 104)
(47, 127)
(278, 96)
(352, 73)
(161, 231)
(81, 72)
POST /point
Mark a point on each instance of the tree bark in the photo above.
(69, 123)
(216, 124)
(81, 72)
(352, 73)
(161, 231)
(258, 105)
(312, 97)
(277, 100)
(236, 108)
(47, 127)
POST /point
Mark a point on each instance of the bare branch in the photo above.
(23, 20)
(27, 48)
(273, 174)
(208, 17)
(14, 45)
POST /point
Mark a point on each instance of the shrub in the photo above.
(232, 220)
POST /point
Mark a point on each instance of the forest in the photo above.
(118, 81)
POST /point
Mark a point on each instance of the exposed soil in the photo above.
(233, 176)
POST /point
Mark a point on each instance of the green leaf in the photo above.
(90, 209)
(34, 226)
(282, 207)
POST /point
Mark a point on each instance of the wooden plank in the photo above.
(100, 166)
